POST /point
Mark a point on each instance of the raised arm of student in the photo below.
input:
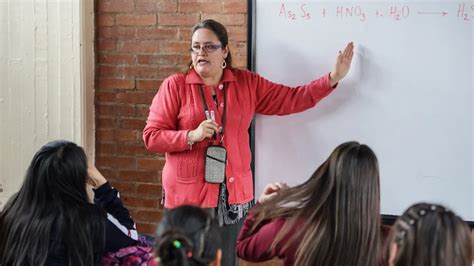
(120, 228)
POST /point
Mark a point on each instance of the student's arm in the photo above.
(120, 228)
(256, 247)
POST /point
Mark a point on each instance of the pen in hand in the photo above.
(211, 116)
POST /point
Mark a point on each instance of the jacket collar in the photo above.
(192, 77)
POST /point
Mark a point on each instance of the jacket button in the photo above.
(231, 179)
(222, 105)
(221, 87)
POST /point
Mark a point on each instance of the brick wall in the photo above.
(138, 44)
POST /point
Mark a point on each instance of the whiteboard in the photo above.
(408, 94)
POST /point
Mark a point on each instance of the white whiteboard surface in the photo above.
(408, 94)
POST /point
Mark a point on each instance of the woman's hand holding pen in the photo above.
(206, 129)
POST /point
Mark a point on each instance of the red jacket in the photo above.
(256, 247)
(177, 108)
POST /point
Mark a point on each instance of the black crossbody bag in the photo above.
(216, 155)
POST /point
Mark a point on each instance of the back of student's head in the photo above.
(429, 235)
(340, 203)
(51, 201)
(187, 235)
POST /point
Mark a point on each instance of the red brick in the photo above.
(237, 33)
(105, 20)
(143, 110)
(152, 85)
(106, 45)
(136, 20)
(177, 19)
(104, 135)
(148, 216)
(123, 59)
(147, 228)
(167, 71)
(138, 202)
(116, 84)
(105, 97)
(184, 61)
(116, 32)
(227, 19)
(238, 48)
(133, 150)
(132, 124)
(141, 71)
(125, 135)
(125, 187)
(160, 34)
(210, 6)
(115, 110)
(105, 123)
(239, 61)
(140, 176)
(106, 71)
(111, 161)
(185, 34)
(162, 59)
(150, 164)
(150, 191)
(174, 47)
(115, 6)
(156, 5)
(105, 148)
(234, 6)
(136, 97)
(138, 46)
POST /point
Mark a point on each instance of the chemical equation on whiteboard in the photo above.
(303, 11)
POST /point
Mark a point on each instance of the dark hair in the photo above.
(187, 235)
(52, 203)
(429, 234)
(340, 205)
(220, 31)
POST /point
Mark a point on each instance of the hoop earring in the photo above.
(224, 64)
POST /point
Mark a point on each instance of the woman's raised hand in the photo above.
(343, 64)
(206, 129)
(271, 190)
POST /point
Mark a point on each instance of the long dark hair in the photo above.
(220, 31)
(52, 207)
(340, 204)
(186, 236)
(429, 234)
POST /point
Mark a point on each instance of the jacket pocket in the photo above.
(190, 166)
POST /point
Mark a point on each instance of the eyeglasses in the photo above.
(207, 48)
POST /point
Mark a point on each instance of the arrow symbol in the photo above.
(444, 13)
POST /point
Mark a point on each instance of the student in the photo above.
(214, 103)
(51, 220)
(429, 234)
(331, 219)
(188, 235)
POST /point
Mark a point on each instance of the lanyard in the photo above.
(206, 109)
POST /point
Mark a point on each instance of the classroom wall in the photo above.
(43, 83)
(138, 44)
